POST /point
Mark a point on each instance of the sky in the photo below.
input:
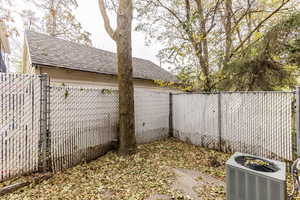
(88, 14)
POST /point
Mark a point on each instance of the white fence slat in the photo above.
(151, 115)
(79, 126)
(196, 119)
(83, 122)
(258, 123)
(19, 125)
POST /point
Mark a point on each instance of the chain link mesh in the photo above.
(196, 119)
(19, 124)
(151, 115)
(259, 123)
(83, 124)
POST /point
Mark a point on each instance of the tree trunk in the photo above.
(122, 36)
(203, 31)
(249, 21)
(204, 46)
(126, 93)
(228, 31)
(200, 47)
(52, 21)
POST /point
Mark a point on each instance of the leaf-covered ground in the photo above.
(148, 172)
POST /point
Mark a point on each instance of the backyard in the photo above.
(147, 100)
(165, 169)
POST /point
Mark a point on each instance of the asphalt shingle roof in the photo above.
(51, 51)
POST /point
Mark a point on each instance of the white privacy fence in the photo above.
(195, 119)
(83, 124)
(259, 123)
(45, 127)
(20, 117)
(151, 115)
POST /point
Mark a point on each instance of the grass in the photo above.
(133, 177)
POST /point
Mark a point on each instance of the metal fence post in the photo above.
(298, 119)
(48, 132)
(220, 120)
(171, 134)
(44, 143)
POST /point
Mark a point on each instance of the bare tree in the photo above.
(31, 21)
(202, 37)
(122, 37)
(59, 20)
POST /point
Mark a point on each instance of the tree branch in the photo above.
(237, 21)
(188, 10)
(170, 11)
(107, 25)
(258, 26)
(212, 24)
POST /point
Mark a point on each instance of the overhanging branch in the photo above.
(258, 26)
(107, 25)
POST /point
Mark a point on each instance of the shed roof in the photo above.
(51, 51)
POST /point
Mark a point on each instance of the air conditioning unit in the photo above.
(250, 177)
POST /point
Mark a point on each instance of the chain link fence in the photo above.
(151, 115)
(20, 120)
(196, 119)
(83, 124)
(259, 123)
(45, 127)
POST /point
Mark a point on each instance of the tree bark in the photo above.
(52, 26)
(126, 93)
(249, 22)
(107, 25)
(204, 46)
(203, 31)
(122, 36)
(228, 30)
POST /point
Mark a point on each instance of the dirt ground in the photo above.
(166, 169)
(189, 183)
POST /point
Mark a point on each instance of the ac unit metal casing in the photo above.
(243, 183)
